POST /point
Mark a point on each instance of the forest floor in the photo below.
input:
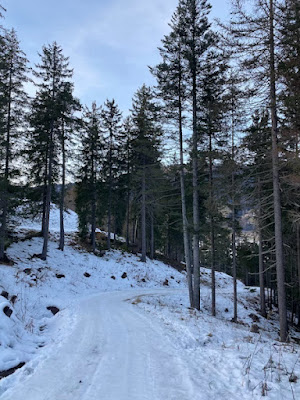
(124, 330)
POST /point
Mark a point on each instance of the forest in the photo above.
(203, 170)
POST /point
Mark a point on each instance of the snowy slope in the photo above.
(70, 221)
(125, 331)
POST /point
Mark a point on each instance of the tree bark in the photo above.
(48, 197)
(196, 220)
(276, 190)
(143, 215)
(186, 238)
(233, 236)
(62, 193)
(109, 193)
(212, 230)
(152, 249)
(260, 255)
(3, 227)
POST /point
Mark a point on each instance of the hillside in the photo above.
(144, 313)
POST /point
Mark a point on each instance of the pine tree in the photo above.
(235, 102)
(112, 118)
(197, 38)
(254, 36)
(91, 159)
(68, 123)
(127, 156)
(145, 150)
(13, 76)
(212, 106)
(171, 85)
(258, 144)
(53, 74)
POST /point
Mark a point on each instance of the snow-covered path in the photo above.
(113, 352)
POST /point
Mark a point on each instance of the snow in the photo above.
(125, 330)
(112, 235)
(34, 224)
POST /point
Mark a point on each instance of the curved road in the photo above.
(114, 352)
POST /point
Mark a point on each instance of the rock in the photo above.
(255, 318)
(226, 310)
(27, 271)
(113, 277)
(7, 311)
(293, 378)
(10, 371)
(124, 275)
(166, 282)
(254, 328)
(87, 275)
(13, 299)
(4, 294)
(59, 276)
(53, 309)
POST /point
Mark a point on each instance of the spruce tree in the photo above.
(13, 99)
(145, 151)
(112, 117)
(212, 107)
(257, 141)
(53, 74)
(172, 89)
(68, 124)
(91, 165)
(197, 38)
(254, 36)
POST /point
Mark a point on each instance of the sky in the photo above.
(110, 43)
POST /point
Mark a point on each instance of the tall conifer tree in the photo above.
(13, 75)
(145, 150)
(53, 73)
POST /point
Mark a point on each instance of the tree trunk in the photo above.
(233, 197)
(3, 227)
(109, 194)
(93, 222)
(260, 255)
(196, 223)
(186, 238)
(212, 230)
(48, 198)
(298, 268)
(276, 190)
(62, 193)
(143, 215)
(152, 250)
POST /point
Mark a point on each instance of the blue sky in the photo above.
(110, 42)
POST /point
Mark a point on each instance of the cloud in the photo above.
(110, 42)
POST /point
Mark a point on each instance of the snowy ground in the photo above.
(124, 331)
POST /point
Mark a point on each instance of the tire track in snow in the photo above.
(114, 352)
